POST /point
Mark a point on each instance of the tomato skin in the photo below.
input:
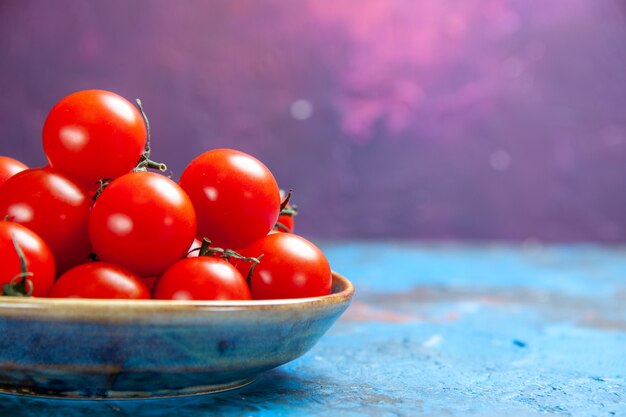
(39, 258)
(53, 206)
(149, 282)
(235, 196)
(9, 167)
(142, 221)
(99, 280)
(202, 278)
(94, 134)
(291, 267)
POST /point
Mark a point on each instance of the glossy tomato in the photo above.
(9, 167)
(37, 254)
(149, 282)
(99, 280)
(291, 267)
(53, 206)
(143, 221)
(94, 134)
(235, 196)
(202, 278)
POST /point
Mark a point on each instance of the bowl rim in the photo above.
(126, 310)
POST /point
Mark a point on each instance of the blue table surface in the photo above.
(439, 330)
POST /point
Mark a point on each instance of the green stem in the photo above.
(206, 250)
(251, 270)
(289, 211)
(280, 226)
(20, 254)
(102, 184)
(148, 163)
(20, 282)
(147, 150)
(144, 162)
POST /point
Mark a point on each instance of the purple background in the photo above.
(474, 119)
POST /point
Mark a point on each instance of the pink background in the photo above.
(475, 119)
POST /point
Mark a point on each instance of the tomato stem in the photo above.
(280, 226)
(289, 211)
(18, 284)
(206, 250)
(147, 150)
(102, 184)
(148, 163)
(251, 270)
(145, 162)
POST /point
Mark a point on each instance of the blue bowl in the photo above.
(78, 348)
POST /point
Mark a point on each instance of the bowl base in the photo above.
(129, 395)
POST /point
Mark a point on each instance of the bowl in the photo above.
(77, 348)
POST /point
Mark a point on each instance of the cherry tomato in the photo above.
(202, 278)
(94, 134)
(142, 221)
(149, 282)
(235, 196)
(99, 280)
(53, 206)
(9, 167)
(39, 259)
(291, 267)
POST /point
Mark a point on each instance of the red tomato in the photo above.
(9, 167)
(202, 278)
(235, 196)
(142, 221)
(39, 259)
(99, 280)
(291, 267)
(94, 134)
(53, 206)
(149, 282)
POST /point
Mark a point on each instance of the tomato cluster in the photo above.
(95, 223)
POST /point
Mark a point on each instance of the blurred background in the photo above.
(447, 119)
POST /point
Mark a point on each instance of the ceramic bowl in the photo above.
(79, 348)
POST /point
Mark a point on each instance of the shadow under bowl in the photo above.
(77, 348)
